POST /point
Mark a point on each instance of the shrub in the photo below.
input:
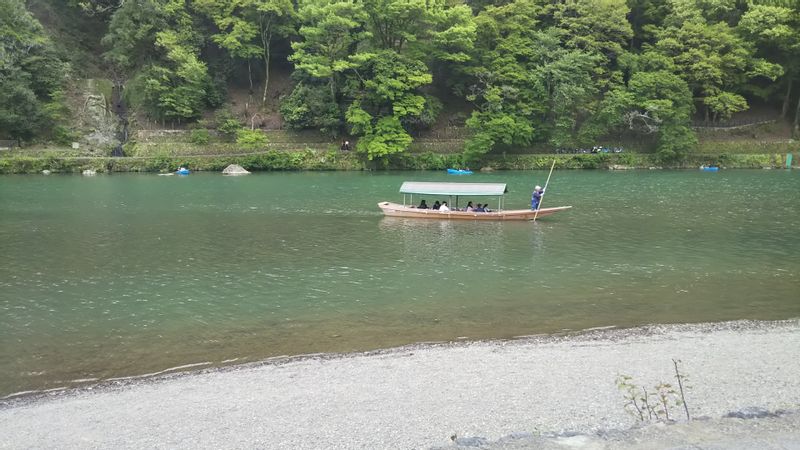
(229, 127)
(64, 136)
(250, 139)
(199, 136)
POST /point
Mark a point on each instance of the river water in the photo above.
(124, 275)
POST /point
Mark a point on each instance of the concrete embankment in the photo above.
(561, 388)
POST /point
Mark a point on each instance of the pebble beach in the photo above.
(492, 394)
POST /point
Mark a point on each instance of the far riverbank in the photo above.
(426, 395)
(49, 161)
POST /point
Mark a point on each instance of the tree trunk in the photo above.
(250, 79)
(266, 40)
(796, 127)
(785, 109)
(333, 87)
(266, 73)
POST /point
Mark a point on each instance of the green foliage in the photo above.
(427, 117)
(226, 123)
(31, 75)
(428, 161)
(64, 135)
(311, 106)
(250, 139)
(386, 96)
(713, 59)
(386, 138)
(654, 405)
(156, 42)
(560, 74)
(199, 136)
(247, 28)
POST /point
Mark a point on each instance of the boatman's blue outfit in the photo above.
(536, 198)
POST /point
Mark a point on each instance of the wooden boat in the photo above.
(453, 191)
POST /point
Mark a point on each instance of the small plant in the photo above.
(250, 139)
(229, 127)
(199, 136)
(655, 405)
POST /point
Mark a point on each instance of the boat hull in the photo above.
(397, 210)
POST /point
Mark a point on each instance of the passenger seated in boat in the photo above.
(444, 207)
(469, 207)
(486, 208)
(436, 205)
(479, 208)
(422, 205)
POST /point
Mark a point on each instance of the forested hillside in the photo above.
(563, 73)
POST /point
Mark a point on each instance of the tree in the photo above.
(157, 43)
(597, 27)
(131, 36)
(329, 30)
(98, 7)
(774, 28)
(386, 94)
(529, 84)
(31, 74)
(655, 101)
(247, 28)
(714, 60)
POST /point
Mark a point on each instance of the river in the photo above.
(123, 275)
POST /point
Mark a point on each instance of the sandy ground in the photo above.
(537, 392)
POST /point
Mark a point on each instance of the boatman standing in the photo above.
(536, 197)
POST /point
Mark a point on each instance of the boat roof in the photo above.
(436, 188)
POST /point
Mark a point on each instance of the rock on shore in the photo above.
(235, 169)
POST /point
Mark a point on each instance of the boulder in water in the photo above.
(235, 169)
(89, 172)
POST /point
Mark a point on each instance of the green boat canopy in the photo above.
(455, 189)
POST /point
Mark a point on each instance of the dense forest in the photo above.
(563, 73)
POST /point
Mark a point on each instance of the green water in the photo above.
(123, 275)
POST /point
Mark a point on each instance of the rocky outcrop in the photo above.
(235, 169)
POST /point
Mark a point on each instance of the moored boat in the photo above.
(459, 172)
(453, 191)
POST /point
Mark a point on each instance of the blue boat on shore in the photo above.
(709, 168)
(459, 172)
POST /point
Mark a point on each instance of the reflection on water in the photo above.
(124, 275)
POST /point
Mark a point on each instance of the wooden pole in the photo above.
(545, 189)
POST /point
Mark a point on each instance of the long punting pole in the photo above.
(545, 189)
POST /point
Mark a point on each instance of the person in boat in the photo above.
(479, 208)
(422, 205)
(436, 205)
(536, 197)
(444, 207)
(470, 207)
(486, 208)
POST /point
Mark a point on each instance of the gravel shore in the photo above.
(560, 388)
